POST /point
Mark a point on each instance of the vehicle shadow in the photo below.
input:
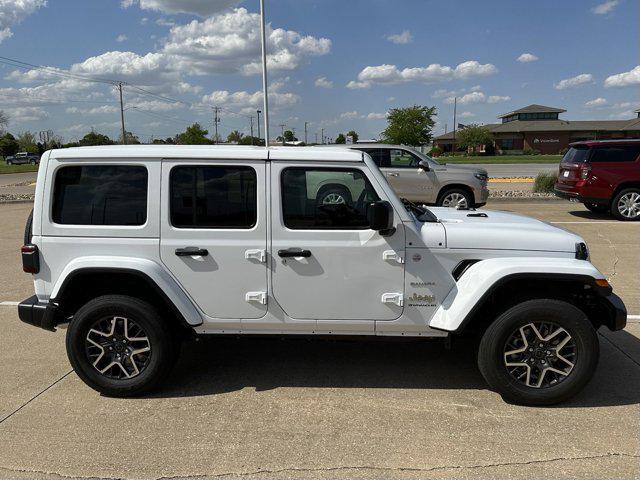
(586, 214)
(221, 365)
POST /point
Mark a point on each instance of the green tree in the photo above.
(473, 136)
(340, 139)
(93, 138)
(131, 139)
(354, 135)
(8, 145)
(234, 137)
(27, 142)
(194, 135)
(289, 136)
(249, 140)
(410, 126)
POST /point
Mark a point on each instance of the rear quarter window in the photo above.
(576, 155)
(615, 153)
(100, 195)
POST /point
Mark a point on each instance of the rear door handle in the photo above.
(294, 252)
(192, 252)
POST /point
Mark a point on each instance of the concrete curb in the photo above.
(9, 202)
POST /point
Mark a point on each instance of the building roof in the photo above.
(533, 108)
(520, 126)
(226, 152)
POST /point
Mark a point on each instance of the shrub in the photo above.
(435, 152)
(530, 151)
(544, 182)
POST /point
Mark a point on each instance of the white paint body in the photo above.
(356, 281)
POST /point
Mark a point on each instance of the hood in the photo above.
(488, 229)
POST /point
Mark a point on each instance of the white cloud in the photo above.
(401, 38)
(526, 58)
(390, 74)
(121, 38)
(596, 102)
(230, 43)
(624, 79)
(466, 115)
(203, 8)
(349, 115)
(444, 93)
(475, 88)
(574, 81)
(249, 102)
(473, 97)
(604, 8)
(498, 98)
(163, 22)
(376, 116)
(27, 114)
(322, 82)
(625, 115)
(13, 12)
(101, 110)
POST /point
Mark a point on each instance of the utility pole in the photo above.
(316, 138)
(216, 121)
(45, 136)
(124, 132)
(251, 120)
(455, 107)
(323, 136)
(265, 93)
(258, 112)
(305, 133)
(282, 125)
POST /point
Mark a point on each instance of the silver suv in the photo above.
(419, 178)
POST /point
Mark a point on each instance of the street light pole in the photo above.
(264, 73)
(258, 123)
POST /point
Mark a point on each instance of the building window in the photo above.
(100, 195)
(213, 197)
(506, 144)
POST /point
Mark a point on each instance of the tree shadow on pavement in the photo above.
(220, 365)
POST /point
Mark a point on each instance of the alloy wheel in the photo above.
(118, 347)
(455, 200)
(333, 199)
(540, 354)
(629, 205)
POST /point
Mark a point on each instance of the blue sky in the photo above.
(337, 65)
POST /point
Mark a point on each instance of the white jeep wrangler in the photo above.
(136, 248)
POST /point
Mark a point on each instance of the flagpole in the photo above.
(264, 74)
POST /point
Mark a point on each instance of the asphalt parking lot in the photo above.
(298, 408)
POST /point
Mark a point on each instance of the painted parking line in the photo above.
(9, 304)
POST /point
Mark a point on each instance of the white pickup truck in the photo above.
(136, 248)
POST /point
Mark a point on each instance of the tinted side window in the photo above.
(213, 197)
(100, 195)
(617, 153)
(326, 199)
(403, 159)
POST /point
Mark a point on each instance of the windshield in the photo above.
(576, 155)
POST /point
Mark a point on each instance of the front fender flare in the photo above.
(482, 277)
(141, 266)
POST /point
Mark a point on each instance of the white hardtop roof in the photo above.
(222, 152)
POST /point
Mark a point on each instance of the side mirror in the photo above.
(380, 217)
(424, 165)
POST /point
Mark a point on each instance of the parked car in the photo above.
(422, 179)
(135, 248)
(23, 158)
(604, 175)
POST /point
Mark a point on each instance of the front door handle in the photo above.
(294, 252)
(192, 252)
(393, 174)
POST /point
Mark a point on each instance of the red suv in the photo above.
(604, 175)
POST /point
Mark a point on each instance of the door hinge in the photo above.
(256, 254)
(391, 255)
(258, 297)
(396, 298)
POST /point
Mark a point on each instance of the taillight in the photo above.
(585, 171)
(30, 259)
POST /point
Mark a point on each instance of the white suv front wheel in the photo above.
(539, 352)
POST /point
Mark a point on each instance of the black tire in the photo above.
(494, 343)
(161, 338)
(9, 162)
(334, 190)
(28, 229)
(455, 191)
(597, 207)
(615, 210)
(32, 162)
